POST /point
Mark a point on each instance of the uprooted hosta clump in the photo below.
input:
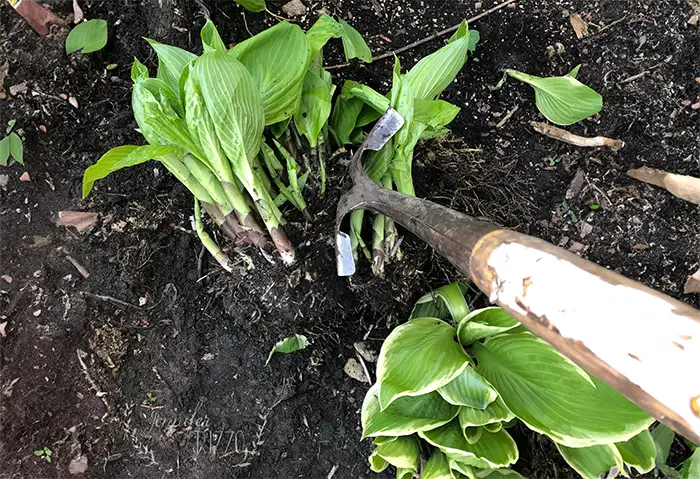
(228, 124)
(415, 96)
(458, 380)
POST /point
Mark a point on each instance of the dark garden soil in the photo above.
(154, 365)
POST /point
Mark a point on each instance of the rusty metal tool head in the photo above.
(639, 341)
(40, 18)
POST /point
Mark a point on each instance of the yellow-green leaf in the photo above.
(495, 412)
(252, 5)
(469, 389)
(639, 452)
(590, 462)
(483, 323)
(89, 37)
(353, 44)
(437, 467)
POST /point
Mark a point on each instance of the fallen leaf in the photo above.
(80, 220)
(24, 177)
(4, 68)
(354, 370)
(576, 184)
(289, 345)
(2, 329)
(692, 284)
(77, 12)
(684, 187)
(7, 278)
(78, 465)
(579, 25)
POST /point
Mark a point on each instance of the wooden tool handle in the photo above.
(642, 343)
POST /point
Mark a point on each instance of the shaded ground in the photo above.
(182, 386)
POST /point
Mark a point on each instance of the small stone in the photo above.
(4, 179)
(354, 370)
(208, 357)
(78, 465)
(63, 96)
(294, 8)
(42, 128)
(24, 177)
(37, 313)
(7, 278)
(18, 89)
(586, 228)
(73, 102)
(693, 20)
(576, 247)
(366, 351)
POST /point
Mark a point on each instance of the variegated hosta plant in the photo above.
(414, 95)
(457, 380)
(223, 123)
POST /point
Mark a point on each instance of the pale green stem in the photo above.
(206, 240)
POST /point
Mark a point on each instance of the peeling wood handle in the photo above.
(642, 343)
(40, 18)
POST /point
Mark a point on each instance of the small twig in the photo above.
(441, 33)
(610, 25)
(81, 269)
(105, 297)
(641, 74)
(568, 137)
(364, 367)
(507, 117)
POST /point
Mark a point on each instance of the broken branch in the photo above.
(682, 186)
(568, 137)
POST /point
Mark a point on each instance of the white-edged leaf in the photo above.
(483, 323)
(377, 463)
(553, 396)
(473, 434)
(418, 357)
(499, 474)
(468, 389)
(639, 452)
(437, 467)
(495, 412)
(562, 100)
(289, 345)
(404, 416)
(278, 59)
(590, 462)
(432, 74)
(121, 157)
(402, 473)
(464, 469)
(492, 450)
(89, 37)
(353, 44)
(402, 452)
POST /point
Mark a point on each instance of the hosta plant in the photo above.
(414, 95)
(455, 381)
(226, 124)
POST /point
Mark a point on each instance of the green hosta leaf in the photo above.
(499, 474)
(435, 114)
(469, 389)
(464, 469)
(639, 452)
(211, 40)
(352, 89)
(16, 147)
(368, 115)
(418, 357)
(323, 30)
(278, 128)
(252, 5)
(315, 108)
(449, 297)
(402, 473)
(402, 164)
(483, 323)
(344, 118)
(377, 463)
(437, 467)
(138, 71)
(495, 412)
(89, 37)
(691, 466)
(490, 451)
(493, 427)
(171, 62)
(277, 58)
(573, 73)
(663, 437)
(591, 462)
(473, 434)
(377, 164)
(562, 100)
(404, 416)
(430, 133)
(553, 396)
(403, 452)
(353, 44)
(4, 150)
(432, 74)
(289, 345)
(121, 157)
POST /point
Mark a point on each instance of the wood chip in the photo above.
(80, 220)
(4, 68)
(576, 184)
(77, 12)
(682, 186)
(568, 137)
(579, 25)
(692, 284)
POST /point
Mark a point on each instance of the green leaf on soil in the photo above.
(691, 466)
(211, 40)
(289, 345)
(404, 416)
(353, 44)
(89, 37)
(377, 463)
(553, 396)
(562, 100)
(16, 148)
(418, 357)
(320, 32)
(171, 63)
(252, 5)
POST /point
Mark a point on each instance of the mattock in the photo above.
(642, 343)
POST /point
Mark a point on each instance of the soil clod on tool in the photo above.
(639, 341)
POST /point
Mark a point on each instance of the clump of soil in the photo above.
(154, 364)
